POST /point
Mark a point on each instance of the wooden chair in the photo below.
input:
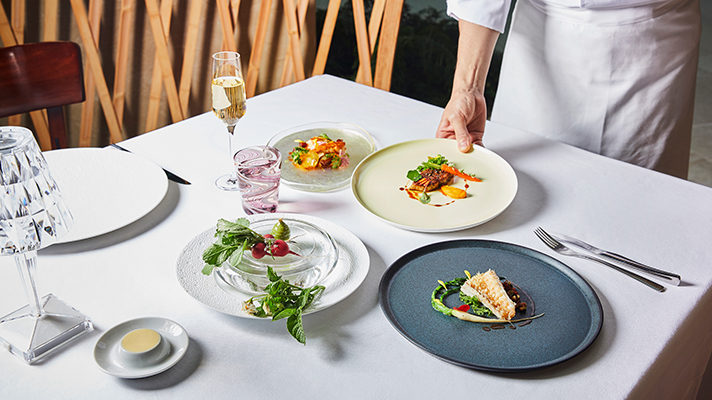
(41, 76)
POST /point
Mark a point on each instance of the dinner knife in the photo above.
(169, 174)
(668, 276)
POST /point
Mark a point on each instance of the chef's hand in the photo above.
(464, 119)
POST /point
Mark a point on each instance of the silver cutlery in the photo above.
(169, 174)
(563, 250)
(668, 276)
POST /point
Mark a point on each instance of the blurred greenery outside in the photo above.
(426, 53)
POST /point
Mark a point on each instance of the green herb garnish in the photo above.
(284, 300)
(413, 175)
(475, 305)
(232, 239)
(297, 153)
(432, 163)
(335, 160)
(447, 288)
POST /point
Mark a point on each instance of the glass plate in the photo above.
(572, 318)
(359, 144)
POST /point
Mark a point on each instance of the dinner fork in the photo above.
(563, 250)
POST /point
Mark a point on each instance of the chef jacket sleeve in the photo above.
(488, 13)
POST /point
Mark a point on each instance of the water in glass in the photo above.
(258, 171)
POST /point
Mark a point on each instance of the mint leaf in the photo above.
(216, 254)
(287, 312)
(303, 299)
(296, 328)
(232, 240)
(271, 275)
(236, 255)
(239, 226)
(285, 300)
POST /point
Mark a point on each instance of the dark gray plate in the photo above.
(572, 320)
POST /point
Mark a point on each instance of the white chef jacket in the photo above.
(493, 13)
(615, 77)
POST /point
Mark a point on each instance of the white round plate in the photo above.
(348, 274)
(359, 144)
(105, 189)
(378, 181)
(106, 350)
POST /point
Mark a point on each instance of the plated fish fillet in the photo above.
(489, 290)
(431, 180)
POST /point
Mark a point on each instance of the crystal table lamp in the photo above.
(32, 216)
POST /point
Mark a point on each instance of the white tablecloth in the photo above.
(652, 345)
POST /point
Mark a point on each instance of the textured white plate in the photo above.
(106, 350)
(105, 189)
(378, 180)
(347, 276)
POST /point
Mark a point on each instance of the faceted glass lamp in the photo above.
(32, 216)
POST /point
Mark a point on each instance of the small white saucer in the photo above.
(107, 349)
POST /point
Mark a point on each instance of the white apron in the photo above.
(617, 82)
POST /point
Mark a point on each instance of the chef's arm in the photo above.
(464, 116)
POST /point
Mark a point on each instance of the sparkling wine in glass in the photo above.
(229, 103)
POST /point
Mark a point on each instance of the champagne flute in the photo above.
(229, 103)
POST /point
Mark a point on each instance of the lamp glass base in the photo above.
(32, 337)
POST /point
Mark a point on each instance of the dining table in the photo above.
(650, 344)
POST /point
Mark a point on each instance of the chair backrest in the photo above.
(38, 76)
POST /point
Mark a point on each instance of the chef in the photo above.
(614, 77)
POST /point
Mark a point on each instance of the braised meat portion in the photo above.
(431, 180)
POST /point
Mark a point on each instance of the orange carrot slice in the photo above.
(457, 172)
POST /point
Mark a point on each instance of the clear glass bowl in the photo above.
(316, 257)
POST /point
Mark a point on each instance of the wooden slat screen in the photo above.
(147, 62)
